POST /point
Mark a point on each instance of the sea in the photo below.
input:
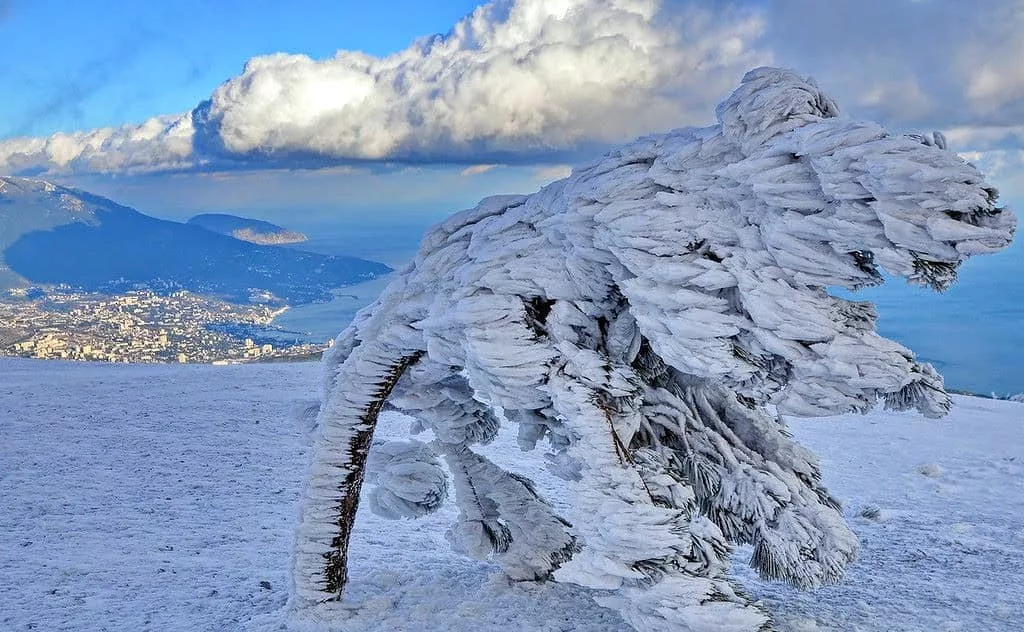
(973, 333)
(392, 241)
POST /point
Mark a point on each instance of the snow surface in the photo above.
(162, 497)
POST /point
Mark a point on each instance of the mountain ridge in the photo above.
(60, 236)
(252, 230)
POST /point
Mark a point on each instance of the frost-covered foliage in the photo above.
(651, 317)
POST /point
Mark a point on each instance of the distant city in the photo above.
(85, 278)
(140, 326)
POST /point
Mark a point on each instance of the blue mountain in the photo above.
(252, 230)
(54, 235)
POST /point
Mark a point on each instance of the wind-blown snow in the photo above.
(160, 497)
(650, 315)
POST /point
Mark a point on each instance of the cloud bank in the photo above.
(544, 81)
(160, 144)
(513, 81)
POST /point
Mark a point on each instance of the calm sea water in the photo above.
(973, 333)
(389, 241)
(322, 321)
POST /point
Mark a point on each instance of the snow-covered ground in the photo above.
(165, 497)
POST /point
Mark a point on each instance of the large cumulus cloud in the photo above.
(515, 80)
(547, 80)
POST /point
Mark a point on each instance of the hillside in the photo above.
(251, 230)
(28, 206)
(164, 498)
(53, 235)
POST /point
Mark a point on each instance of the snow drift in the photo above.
(163, 497)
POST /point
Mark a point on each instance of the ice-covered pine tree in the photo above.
(651, 317)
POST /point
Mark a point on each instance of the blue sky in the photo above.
(109, 95)
(98, 63)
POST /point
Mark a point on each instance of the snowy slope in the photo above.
(161, 497)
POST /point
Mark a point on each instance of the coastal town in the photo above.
(143, 327)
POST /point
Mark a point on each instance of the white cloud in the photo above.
(544, 81)
(979, 137)
(532, 77)
(991, 63)
(551, 173)
(475, 170)
(517, 80)
(161, 143)
(1005, 167)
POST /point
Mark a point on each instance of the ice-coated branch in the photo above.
(346, 426)
(651, 317)
(502, 516)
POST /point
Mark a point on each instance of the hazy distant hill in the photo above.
(251, 230)
(55, 235)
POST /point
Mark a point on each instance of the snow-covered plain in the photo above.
(165, 498)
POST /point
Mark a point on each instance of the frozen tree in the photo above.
(651, 317)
